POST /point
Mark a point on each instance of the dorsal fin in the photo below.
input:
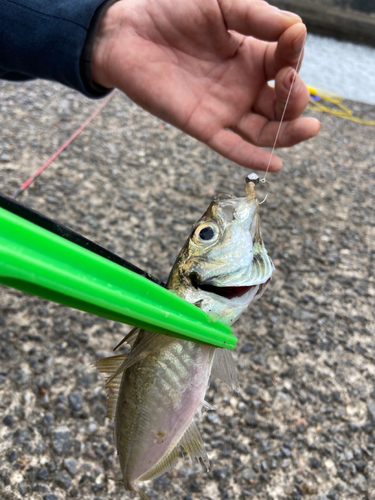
(224, 368)
(110, 365)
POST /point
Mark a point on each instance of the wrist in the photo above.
(104, 37)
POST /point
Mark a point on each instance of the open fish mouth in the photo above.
(229, 292)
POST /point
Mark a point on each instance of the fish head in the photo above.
(224, 264)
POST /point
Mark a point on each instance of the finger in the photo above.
(232, 146)
(262, 132)
(271, 102)
(256, 18)
(291, 93)
(296, 131)
(286, 52)
(265, 104)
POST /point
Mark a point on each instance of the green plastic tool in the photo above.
(46, 259)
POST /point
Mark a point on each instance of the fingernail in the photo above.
(297, 44)
(288, 81)
(287, 13)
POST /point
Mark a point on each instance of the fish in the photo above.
(156, 392)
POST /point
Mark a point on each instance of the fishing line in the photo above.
(264, 180)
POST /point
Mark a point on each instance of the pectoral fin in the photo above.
(130, 338)
(224, 368)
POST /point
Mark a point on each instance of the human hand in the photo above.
(203, 66)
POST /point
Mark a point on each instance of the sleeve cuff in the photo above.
(93, 89)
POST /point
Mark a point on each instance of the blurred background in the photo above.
(340, 47)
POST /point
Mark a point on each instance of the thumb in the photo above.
(257, 18)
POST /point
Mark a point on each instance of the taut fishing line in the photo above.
(264, 180)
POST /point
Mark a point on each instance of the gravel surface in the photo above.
(303, 423)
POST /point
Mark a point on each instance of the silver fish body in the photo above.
(159, 398)
(159, 388)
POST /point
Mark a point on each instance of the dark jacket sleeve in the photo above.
(50, 39)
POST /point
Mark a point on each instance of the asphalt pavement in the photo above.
(303, 424)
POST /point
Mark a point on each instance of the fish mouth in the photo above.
(228, 292)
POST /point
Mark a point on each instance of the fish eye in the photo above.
(207, 233)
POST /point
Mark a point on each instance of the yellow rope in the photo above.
(341, 110)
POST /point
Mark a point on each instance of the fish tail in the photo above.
(134, 487)
(142, 494)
